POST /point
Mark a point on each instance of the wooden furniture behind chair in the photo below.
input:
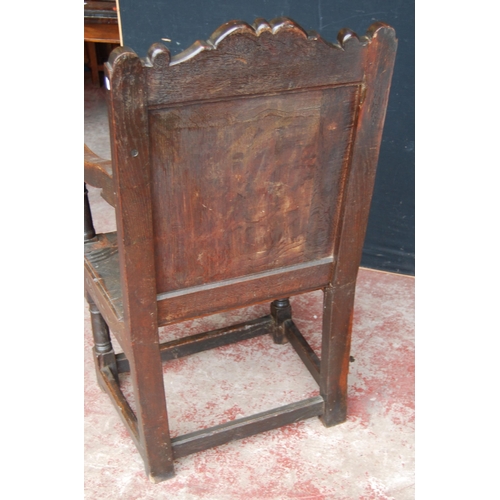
(242, 172)
(100, 27)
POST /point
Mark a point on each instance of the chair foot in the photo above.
(158, 478)
(334, 417)
(281, 311)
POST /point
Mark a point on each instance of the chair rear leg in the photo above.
(151, 410)
(336, 344)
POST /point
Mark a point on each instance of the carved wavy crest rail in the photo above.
(237, 58)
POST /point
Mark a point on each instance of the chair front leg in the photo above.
(281, 311)
(104, 355)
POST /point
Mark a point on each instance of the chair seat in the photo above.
(102, 271)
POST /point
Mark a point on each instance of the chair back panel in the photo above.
(248, 184)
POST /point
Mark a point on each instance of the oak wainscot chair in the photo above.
(278, 132)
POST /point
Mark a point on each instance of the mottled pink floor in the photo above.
(371, 456)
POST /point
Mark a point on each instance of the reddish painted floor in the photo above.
(371, 456)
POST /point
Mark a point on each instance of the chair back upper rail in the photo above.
(244, 148)
(244, 60)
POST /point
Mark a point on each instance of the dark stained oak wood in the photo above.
(378, 64)
(242, 172)
(205, 341)
(104, 354)
(281, 312)
(121, 404)
(131, 176)
(89, 230)
(262, 59)
(247, 426)
(266, 218)
(102, 281)
(303, 349)
(230, 294)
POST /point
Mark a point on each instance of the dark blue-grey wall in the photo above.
(390, 242)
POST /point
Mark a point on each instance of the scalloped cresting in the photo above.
(345, 37)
